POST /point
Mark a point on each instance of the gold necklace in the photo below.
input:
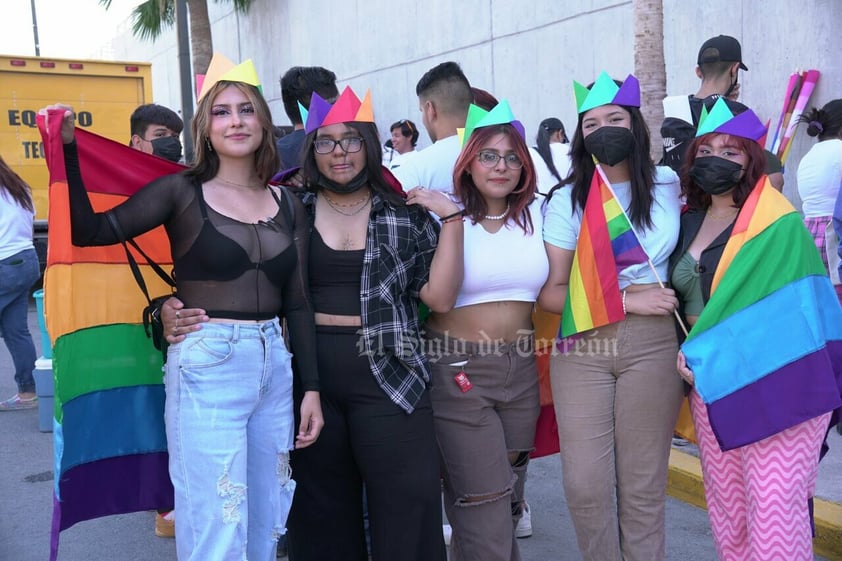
(335, 204)
(235, 184)
(363, 203)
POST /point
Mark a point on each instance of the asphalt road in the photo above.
(26, 480)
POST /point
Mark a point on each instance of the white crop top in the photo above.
(507, 265)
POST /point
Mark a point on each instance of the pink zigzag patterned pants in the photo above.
(757, 494)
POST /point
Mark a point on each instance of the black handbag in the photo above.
(151, 315)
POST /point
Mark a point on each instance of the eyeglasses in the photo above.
(490, 159)
(327, 145)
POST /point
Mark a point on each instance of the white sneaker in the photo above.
(447, 531)
(524, 525)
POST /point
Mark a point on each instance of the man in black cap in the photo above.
(719, 62)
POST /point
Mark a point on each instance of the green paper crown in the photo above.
(500, 114)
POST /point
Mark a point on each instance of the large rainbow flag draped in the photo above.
(606, 245)
(109, 442)
(766, 351)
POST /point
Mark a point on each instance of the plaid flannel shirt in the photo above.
(399, 249)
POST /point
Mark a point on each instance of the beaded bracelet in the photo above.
(453, 218)
(459, 213)
(624, 302)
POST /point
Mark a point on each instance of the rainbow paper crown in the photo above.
(500, 114)
(605, 91)
(722, 120)
(346, 109)
(222, 69)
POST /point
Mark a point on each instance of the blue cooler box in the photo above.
(44, 387)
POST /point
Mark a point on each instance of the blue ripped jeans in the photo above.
(17, 275)
(229, 421)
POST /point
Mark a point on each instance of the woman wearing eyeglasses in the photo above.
(485, 381)
(374, 256)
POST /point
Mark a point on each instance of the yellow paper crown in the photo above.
(222, 69)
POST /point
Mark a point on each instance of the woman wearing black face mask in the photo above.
(616, 403)
(745, 258)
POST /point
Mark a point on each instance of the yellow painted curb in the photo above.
(684, 482)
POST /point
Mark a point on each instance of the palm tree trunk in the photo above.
(201, 42)
(649, 65)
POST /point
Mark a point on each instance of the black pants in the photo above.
(366, 439)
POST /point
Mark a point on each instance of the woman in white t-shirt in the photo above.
(485, 381)
(616, 390)
(819, 178)
(18, 272)
(552, 144)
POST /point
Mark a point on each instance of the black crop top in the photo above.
(231, 269)
(335, 278)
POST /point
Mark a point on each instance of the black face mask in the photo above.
(715, 175)
(610, 145)
(167, 147)
(359, 181)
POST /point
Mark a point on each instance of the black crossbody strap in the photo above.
(118, 231)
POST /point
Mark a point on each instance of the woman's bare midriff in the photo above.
(507, 321)
(641, 287)
(332, 319)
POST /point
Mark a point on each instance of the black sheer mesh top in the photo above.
(232, 269)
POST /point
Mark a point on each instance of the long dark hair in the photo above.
(754, 170)
(641, 170)
(371, 145)
(466, 189)
(206, 164)
(15, 186)
(542, 142)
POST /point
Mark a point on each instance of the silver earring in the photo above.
(208, 143)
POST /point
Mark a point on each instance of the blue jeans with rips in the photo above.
(230, 427)
(17, 275)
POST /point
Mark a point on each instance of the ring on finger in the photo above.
(175, 330)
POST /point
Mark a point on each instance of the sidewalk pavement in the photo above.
(26, 479)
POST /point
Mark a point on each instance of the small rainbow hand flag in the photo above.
(606, 245)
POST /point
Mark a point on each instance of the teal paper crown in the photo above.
(721, 120)
(500, 114)
(605, 91)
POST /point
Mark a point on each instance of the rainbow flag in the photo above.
(109, 441)
(766, 351)
(607, 244)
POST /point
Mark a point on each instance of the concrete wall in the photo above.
(528, 52)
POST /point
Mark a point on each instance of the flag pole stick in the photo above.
(648, 260)
(661, 284)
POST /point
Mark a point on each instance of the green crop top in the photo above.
(685, 280)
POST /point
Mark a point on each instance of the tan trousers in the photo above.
(617, 395)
